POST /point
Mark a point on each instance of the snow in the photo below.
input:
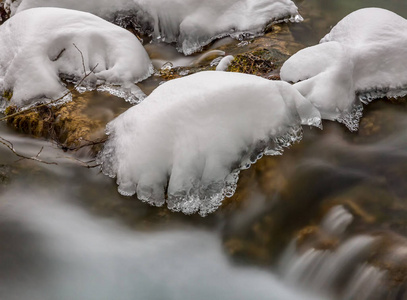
(200, 131)
(363, 57)
(11, 5)
(191, 24)
(224, 63)
(37, 47)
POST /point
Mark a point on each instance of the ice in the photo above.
(361, 59)
(194, 134)
(40, 46)
(191, 24)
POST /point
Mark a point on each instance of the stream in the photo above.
(326, 220)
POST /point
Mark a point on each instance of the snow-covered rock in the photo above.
(363, 57)
(196, 133)
(38, 46)
(191, 24)
(11, 6)
(224, 63)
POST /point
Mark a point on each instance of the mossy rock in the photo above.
(71, 125)
(262, 56)
(178, 72)
(7, 95)
(390, 255)
(260, 62)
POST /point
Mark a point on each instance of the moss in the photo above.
(260, 62)
(169, 74)
(68, 124)
(29, 123)
(178, 72)
(10, 110)
(7, 95)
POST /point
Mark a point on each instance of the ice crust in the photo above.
(191, 24)
(37, 49)
(192, 136)
(361, 59)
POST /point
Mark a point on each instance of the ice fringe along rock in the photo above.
(361, 59)
(37, 48)
(191, 137)
(191, 24)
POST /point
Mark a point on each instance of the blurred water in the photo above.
(58, 251)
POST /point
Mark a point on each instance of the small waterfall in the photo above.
(337, 220)
(342, 271)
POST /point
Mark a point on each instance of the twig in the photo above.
(10, 146)
(88, 143)
(56, 100)
(59, 55)
(83, 60)
(85, 164)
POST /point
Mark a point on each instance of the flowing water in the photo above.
(326, 220)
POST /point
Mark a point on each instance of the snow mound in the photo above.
(224, 63)
(362, 58)
(40, 46)
(196, 133)
(191, 24)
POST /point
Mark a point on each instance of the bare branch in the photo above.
(51, 102)
(83, 60)
(86, 164)
(38, 154)
(87, 144)
(59, 55)
(10, 146)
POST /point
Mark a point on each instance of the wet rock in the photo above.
(263, 62)
(4, 14)
(313, 237)
(390, 255)
(262, 56)
(398, 100)
(72, 125)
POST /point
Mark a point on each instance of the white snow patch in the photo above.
(197, 133)
(224, 63)
(191, 24)
(11, 5)
(362, 58)
(37, 48)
